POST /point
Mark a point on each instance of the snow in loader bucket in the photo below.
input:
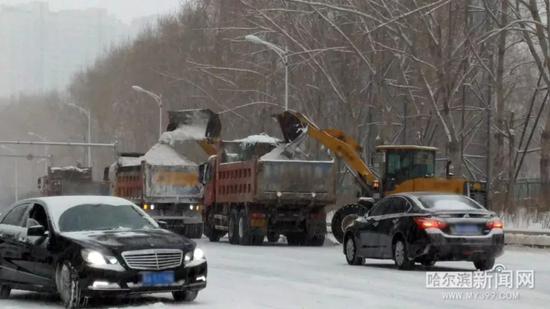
(191, 124)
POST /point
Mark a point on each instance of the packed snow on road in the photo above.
(279, 276)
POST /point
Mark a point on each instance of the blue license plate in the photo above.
(157, 278)
(466, 229)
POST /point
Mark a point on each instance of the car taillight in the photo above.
(495, 224)
(427, 223)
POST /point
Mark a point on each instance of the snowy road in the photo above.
(293, 277)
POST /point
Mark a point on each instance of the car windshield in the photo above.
(448, 202)
(104, 217)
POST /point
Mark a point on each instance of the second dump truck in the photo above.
(255, 188)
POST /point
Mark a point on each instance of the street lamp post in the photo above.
(88, 115)
(46, 151)
(282, 53)
(157, 98)
(16, 173)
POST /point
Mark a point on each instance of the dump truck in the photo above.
(255, 188)
(403, 168)
(70, 180)
(164, 182)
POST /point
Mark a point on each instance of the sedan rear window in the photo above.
(101, 217)
(448, 202)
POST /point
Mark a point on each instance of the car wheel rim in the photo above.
(350, 249)
(399, 252)
(65, 283)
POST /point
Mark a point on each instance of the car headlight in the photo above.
(197, 254)
(96, 258)
(188, 257)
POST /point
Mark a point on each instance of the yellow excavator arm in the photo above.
(341, 145)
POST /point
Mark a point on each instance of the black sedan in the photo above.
(425, 228)
(88, 246)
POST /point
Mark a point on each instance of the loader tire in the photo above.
(345, 214)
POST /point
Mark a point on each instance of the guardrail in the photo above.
(531, 238)
(527, 232)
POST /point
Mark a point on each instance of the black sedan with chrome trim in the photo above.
(92, 246)
(425, 228)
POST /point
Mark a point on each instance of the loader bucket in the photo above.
(293, 125)
(203, 121)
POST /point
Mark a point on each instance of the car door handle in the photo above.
(375, 223)
(395, 220)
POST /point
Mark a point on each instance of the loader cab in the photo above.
(404, 162)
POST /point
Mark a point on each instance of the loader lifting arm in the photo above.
(293, 124)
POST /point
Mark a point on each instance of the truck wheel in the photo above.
(233, 228)
(316, 240)
(245, 237)
(258, 239)
(295, 239)
(272, 237)
(345, 215)
(212, 234)
(195, 231)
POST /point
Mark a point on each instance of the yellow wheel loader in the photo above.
(404, 168)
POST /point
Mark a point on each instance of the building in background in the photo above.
(40, 50)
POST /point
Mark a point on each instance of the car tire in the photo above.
(245, 236)
(68, 286)
(273, 237)
(351, 252)
(401, 255)
(232, 227)
(484, 264)
(428, 263)
(4, 291)
(185, 296)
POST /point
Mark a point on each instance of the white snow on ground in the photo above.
(162, 154)
(279, 276)
(259, 138)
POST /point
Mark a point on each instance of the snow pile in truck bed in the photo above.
(129, 161)
(70, 168)
(259, 139)
(183, 133)
(163, 154)
(278, 153)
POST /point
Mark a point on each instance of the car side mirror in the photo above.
(36, 230)
(203, 169)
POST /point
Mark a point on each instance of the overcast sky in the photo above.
(123, 9)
